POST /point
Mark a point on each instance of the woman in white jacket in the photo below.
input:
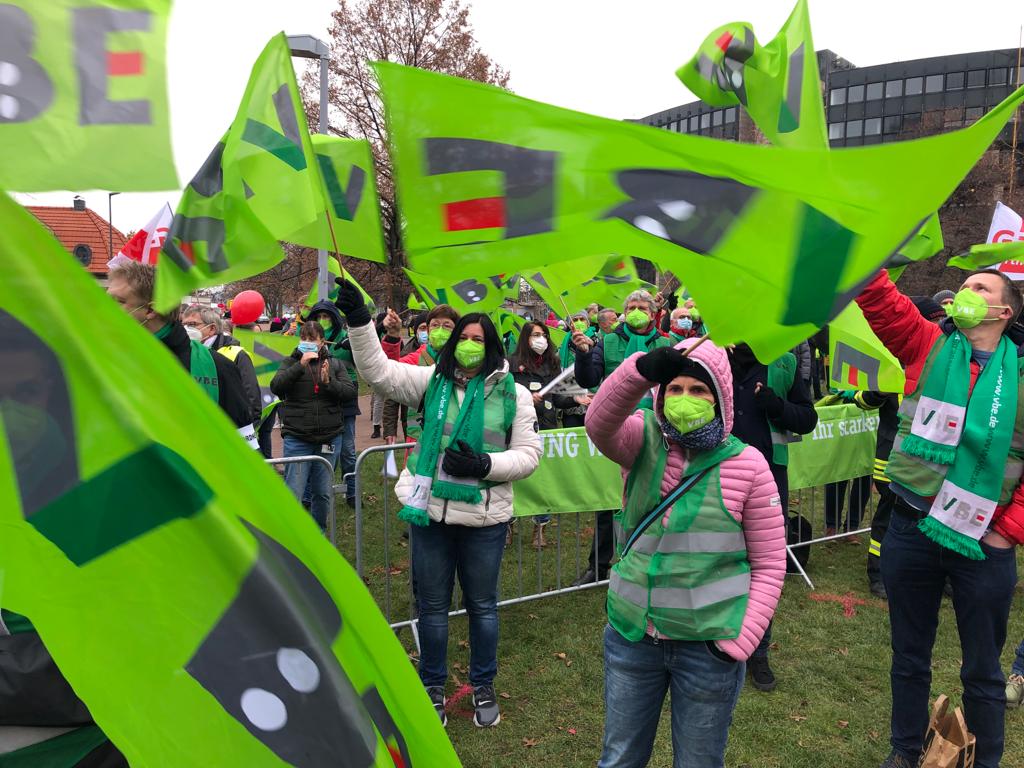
(479, 433)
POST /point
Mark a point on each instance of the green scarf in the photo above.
(969, 434)
(567, 352)
(424, 464)
(638, 342)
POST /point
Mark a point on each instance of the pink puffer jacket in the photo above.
(748, 490)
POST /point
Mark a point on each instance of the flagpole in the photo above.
(701, 340)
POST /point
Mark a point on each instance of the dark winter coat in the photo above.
(311, 411)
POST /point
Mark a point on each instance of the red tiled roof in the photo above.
(74, 228)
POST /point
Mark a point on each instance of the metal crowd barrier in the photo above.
(332, 515)
(527, 573)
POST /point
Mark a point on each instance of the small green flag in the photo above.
(333, 272)
(988, 254)
(196, 608)
(858, 359)
(261, 184)
(778, 83)
(83, 96)
(468, 295)
(495, 182)
(924, 244)
(575, 284)
(350, 185)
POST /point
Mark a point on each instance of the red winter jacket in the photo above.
(904, 332)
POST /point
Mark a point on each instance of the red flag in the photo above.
(145, 244)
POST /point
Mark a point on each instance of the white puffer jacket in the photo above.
(408, 384)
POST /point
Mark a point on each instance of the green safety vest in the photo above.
(615, 353)
(923, 477)
(691, 580)
(499, 413)
(781, 375)
(204, 370)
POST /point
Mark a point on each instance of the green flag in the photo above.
(858, 358)
(925, 243)
(261, 184)
(83, 97)
(334, 271)
(494, 181)
(778, 83)
(989, 254)
(350, 185)
(195, 608)
(577, 283)
(468, 295)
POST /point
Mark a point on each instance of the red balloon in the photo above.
(246, 307)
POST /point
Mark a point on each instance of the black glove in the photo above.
(770, 403)
(465, 462)
(672, 301)
(662, 365)
(350, 303)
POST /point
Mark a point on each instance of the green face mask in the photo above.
(593, 318)
(469, 354)
(325, 323)
(438, 337)
(687, 413)
(969, 309)
(637, 319)
(581, 325)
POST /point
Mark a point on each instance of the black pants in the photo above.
(914, 571)
(879, 525)
(835, 495)
(264, 435)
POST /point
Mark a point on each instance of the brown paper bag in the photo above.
(948, 744)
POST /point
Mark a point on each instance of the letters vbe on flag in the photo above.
(261, 184)
(83, 103)
(488, 178)
(778, 83)
(213, 625)
(146, 244)
(468, 295)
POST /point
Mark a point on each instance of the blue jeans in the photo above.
(318, 477)
(637, 676)
(1018, 662)
(914, 571)
(347, 455)
(438, 552)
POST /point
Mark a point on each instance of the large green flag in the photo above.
(496, 182)
(573, 285)
(83, 96)
(195, 607)
(858, 358)
(350, 186)
(778, 83)
(468, 295)
(261, 184)
(986, 255)
(925, 243)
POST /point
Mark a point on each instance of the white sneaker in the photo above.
(1015, 691)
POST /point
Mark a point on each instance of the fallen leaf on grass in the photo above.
(843, 723)
(463, 643)
(798, 718)
(843, 651)
(873, 735)
(532, 616)
(562, 656)
(572, 731)
(531, 742)
(505, 695)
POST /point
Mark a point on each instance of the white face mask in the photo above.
(193, 333)
(538, 344)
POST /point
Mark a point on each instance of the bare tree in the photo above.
(435, 35)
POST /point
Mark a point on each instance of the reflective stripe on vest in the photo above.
(690, 542)
(232, 352)
(924, 477)
(679, 598)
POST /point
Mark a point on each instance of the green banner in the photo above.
(196, 608)
(350, 186)
(573, 476)
(496, 182)
(841, 447)
(778, 83)
(261, 184)
(85, 102)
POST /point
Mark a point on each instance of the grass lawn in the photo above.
(832, 660)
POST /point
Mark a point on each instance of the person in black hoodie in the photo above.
(771, 406)
(313, 387)
(131, 284)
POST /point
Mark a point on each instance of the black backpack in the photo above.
(798, 530)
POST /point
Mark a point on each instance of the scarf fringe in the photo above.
(946, 537)
(457, 492)
(414, 516)
(914, 445)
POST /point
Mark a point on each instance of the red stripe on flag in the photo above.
(722, 43)
(124, 63)
(482, 213)
(852, 376)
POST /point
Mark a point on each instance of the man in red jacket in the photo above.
(955, 470)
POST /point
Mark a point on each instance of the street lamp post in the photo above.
(110, 224)
(309, 47)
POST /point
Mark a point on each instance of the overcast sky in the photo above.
(614, 58)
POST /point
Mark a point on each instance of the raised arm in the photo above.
(896, 321)
(612, 421)
(390, 378)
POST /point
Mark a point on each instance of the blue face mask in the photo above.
(422, 336)
(308, 346)
(684, 323)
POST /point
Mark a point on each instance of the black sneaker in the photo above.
(485, 705)
(761, 674)
(896, 760)
(589, 577)
(877, 589)
(376, 433)
(436, 694)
